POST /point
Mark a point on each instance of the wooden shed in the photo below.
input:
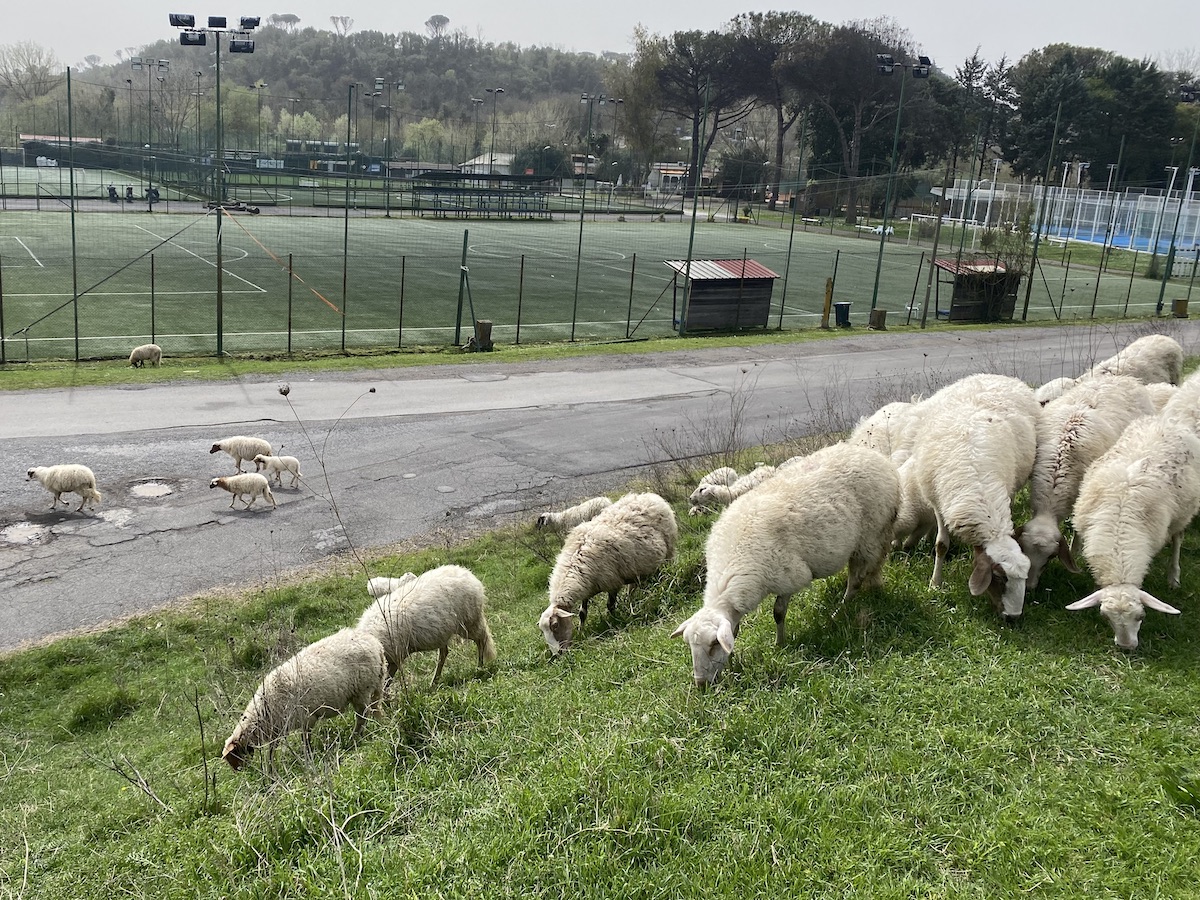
(982, 290)
(723, 294)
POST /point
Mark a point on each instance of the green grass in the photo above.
(905, 744)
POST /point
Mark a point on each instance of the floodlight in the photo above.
(241, 45)
(1188, 93)
(249, 23)
(180, 20)
(923, 67)
(884, 63)
(216, 21)
(193, 38)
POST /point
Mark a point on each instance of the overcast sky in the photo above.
(948, 33)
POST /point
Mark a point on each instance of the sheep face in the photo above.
(1041, 541)
(216, 448)
(710, 636)
(1124, 605)
(215, 483)
(236, 754)
(31, 474)
(1001, 571)
(542, 521)
(557, 626)
(260, 462)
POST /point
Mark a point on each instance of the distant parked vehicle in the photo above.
(234, 205)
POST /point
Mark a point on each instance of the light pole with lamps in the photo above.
(152, 68)
(239, 42)
(589, 101)
(258, 87)
(1162, 289)
(476, 147)
(884, 65)
(495, 92)
(129, 83)
(387, 161)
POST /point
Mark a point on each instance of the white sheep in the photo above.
(885, 429)
(1152, 358)
(242, 448)
(146, 353)
(915, 519)
(68, 478)
(625, 543)
(808, 522)
(345, 669)
(1160, 393)
(382, 585)
(1141, 493)
(248, 484)
(707, 496)
(1073, 431)
(564, 520)
(428, 613)
(1053, 389)
(277, 465)
(973, 450)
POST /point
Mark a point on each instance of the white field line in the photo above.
(30, 252)
(160, 238)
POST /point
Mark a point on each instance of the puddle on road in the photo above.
(149, 490)
(24, 534)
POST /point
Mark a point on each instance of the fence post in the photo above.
(520, 295)
(1132, 272)
(400, 324)
(289, 321)
(462, 281)
(153, 330)
(3, 337)
(629, 314)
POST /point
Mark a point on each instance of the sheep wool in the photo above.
(146, 353)
(1141, 493)
(69, 478)
(808, 522)
(346, 669)
(427, 613)
(277, 465)
(884, 430)
(1155, 357)
(242, 448)
(707, 496)
(248, 484)
(566, 519)
(625, 543)
(382, 585)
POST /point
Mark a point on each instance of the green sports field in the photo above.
(141, 276)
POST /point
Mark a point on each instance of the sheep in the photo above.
(278, 465)
(250, 484)
(884, 429)
(707, 496)
(381, 585)
(915, 519)
(625, 543)
(808, 522)
(427, 613)
(1152, 358)
(242, 448)
(347, 668)
(974, 449)
(565, 520)
(1141, 493)
(69, 478)
(1073, 431)
(1160, 393)
(724, 476)
(151, 353)
(1053, 389)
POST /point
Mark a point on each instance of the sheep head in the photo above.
(1000, 571)
(216, 482)
(216, 448)
(32, 473)
(542, 521)
(557, 626)
(1124, 605)
(1041, 541)
(710, 635)
(260, 462)
(236, 753)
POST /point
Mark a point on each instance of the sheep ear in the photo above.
(678, 632)
(725, 636)
(1065, 557)
(563, 614)
(1151, 602)
(981, 574)
(1087, 602)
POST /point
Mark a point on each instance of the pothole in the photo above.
(150, 490)
(24, 534)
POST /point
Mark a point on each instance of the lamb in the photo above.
(242, 448)
(974, 449)
(1152, 358)
(1141, 493)
(884, 430)
(427, 613)
(68, 478)
(808, 522)
(565, 520)
(278, 465)
(249, 484)
(381, 585)
(1072, 433)
(707, 496)
(147, 353)
(625, 543)
(344, 669)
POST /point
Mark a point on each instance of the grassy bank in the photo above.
(905, 744)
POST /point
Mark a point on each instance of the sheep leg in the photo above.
(82, 500)
(233, 501)
(612, 601)
(250, 502)
(939, 553)
(583, 608)
(780, 610)
(443, 652)
(1173, 574)
(54, 502)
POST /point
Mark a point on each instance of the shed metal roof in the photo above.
(721, 269)
(971, 266)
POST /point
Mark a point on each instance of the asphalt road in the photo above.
(429, 453)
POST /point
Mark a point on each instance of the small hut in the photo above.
(723, 294)
(982, 290)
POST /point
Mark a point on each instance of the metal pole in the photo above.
(787, 265)
(220, 192)
(346, 213)
(937, 233)
(888, 193)
(629, 312)
(291, 276)
(520, 295)
(153, 329)
(400, 328)
(1037, 234)
(587, 146)
(698, 180)
(1162, 288)
(462, 282)
(74, 254)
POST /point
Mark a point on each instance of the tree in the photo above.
(28, 71)
(341, 25)
(436, 26)
(285, 21)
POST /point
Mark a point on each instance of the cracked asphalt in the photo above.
(430, 454)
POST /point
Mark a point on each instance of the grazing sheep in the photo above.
(249, 484)
(1052, 390)
(915, 519)
(69, 478)
(147, 353)
(806, 523)
(427, 613)
(707, 496)
(242, 448)
(381, 585)
(1141, 493)
(1152, 358)
(564, 521)
(885, 429)
(277, 465)
(1073, 431)
(345, 669)
(974, 449)
(623, 544)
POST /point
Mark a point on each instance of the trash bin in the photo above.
(1179, 307)
(841, 314)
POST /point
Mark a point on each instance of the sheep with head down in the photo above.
(67, 478)
(242, 448)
